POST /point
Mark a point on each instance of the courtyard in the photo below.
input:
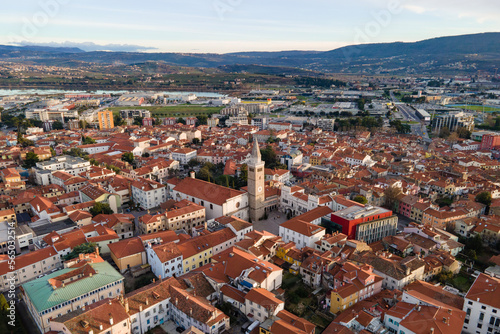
(272, 223)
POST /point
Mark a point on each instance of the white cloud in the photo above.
(480, 10)
(415, 9)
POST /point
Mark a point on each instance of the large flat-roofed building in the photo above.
(453, 121)
(105, 119)
(89, 280)
(65, 163)
(368, 224)
(423, 115)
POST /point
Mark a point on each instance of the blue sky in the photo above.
(240, 25)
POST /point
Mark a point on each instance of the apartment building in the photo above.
(182, 215)
(197, 251)
(188, 310)
(302, 233)
(261, 304)
(148, 193)
(352, 283)
(244, 270)
(482, 306)
(414, 319)
(66, 163)
(105, 316)
(28, 267)
(87, 281)
(183, 155)
(165, 259)
(105, 119)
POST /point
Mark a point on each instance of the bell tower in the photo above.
(256, 183)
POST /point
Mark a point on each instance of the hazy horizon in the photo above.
(223, 26)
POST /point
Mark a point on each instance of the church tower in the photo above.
(256, 178)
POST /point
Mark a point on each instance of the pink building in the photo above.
(169, 121)
(147, 121)
(406, 204)
(191, 121)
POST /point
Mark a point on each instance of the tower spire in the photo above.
(256, 151)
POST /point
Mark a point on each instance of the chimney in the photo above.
(191, 312)
(110, 319)
(97, 250)
(127, 308)
(100, 327)
(154, 280)
(176, 301)
(432, 330)
(147, 301)
(109, 302)
(160, 278)
(140, 308)
(80, 256)
(192, 175)
(449, 311)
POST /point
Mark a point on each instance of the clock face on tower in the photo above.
(260, 189)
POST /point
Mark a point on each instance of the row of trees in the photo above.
(400, 127)
(454, 136)
(368, 122)
(119, 121)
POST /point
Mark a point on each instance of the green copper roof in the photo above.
(44, 297)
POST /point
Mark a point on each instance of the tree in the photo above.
(25, 142)
(145, 155)
(57, 125)
(205, 173)
(77, 152)
(138, 120)
(202, 120)
(453, 137)
(484, 198)
(100, 208)
(444, 201)
(444, 276)
(84, 124)
(444, 132)
(87, 140)
(391, 196)
(128, 157)
(119, 121)
(196, 141)
(463, 133)
(52, 151)
(30, 160)
(400, 127)
(193, 162)
(86, 248)
(360, 199)
(271, 159)
(181, 120)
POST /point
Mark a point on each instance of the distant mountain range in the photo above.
(444, 55)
